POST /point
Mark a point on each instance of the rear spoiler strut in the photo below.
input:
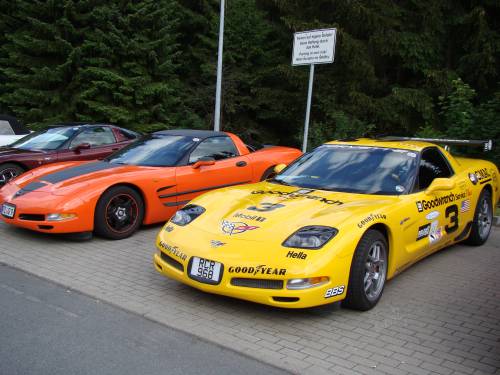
(486, 144)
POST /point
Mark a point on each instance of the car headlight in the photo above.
(60, 217)
(310, 237)
(187, 214)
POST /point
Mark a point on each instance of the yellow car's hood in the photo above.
(268, 211)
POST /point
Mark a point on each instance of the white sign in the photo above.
(314, 47)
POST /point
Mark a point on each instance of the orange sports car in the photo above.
(144, 183)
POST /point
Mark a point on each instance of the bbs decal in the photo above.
(335, 291)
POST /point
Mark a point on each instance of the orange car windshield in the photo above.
(154, 151)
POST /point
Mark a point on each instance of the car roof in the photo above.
(202, 134)
(77, 124)
(397, 144)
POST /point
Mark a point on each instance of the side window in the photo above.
(97, 136)
(217, 147)
(124, 135)
(432, 165)
(5, 128)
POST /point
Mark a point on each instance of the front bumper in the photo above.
(259, 288)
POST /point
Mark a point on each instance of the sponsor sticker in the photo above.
(265, 207)
(230, 227)
(371, 218)
(296, 255)
(432, 215)
(173, 250)
(240, 215)
(473, 178)
(436, 232)
(335, 291)
(169, 228)
(303, 193)
(261, 269)
(423, 231)
(425, 205)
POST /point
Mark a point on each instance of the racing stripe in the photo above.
(204, 189)
(28, 188)
(79, 170)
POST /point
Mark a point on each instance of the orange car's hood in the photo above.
(66, 178)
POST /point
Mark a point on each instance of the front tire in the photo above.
(483, 218)
(9, 171)
(368, 272)
(119, 213)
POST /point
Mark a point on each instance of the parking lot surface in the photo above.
(441, 316)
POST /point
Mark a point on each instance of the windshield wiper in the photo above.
(280, 182)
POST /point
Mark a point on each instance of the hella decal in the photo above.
(261, 269)
(294, 254)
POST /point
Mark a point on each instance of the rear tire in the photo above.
(483, 219)
(8, 171)
(368, 272)
(119, 213)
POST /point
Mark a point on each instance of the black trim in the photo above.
(204, 189)
(485, 181)
(464, 233)
(175, 204)
(79, 170)
(165, 188)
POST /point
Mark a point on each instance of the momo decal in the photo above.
(215, 243)
(423, 231)
(230, 227)
(173, 250)
(335, 291)
(261, 269)
(239, 215)
(425, 205)
(297, 255)
(298, 194)
(265, 207)
(371, 218)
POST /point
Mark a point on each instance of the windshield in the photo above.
(356, 169)
(154, 151)
(50, 139)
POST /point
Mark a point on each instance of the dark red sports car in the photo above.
(63, 142)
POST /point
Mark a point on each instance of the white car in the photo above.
(11, 130)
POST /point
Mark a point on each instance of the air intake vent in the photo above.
(257, 283)
(171, 261)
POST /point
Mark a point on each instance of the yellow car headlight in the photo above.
(311, 237)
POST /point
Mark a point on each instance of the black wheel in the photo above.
(8, 171)
(118, 213)
(368, 272)
(483, 218)
(268, 173)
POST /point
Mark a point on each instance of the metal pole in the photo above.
(308, 108)
(219, 68)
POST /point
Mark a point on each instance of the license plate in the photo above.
(205, 270)
(8, 210)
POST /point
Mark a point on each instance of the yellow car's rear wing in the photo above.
(487, 144)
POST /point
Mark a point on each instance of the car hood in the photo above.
(10, 152)
(68, 178)
(267, 210)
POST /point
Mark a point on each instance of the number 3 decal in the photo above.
(452, 213)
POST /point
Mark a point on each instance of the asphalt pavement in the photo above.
(48, 329)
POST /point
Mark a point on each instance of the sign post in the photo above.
(218, 88)
(311, 48)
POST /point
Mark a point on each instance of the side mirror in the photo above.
(440, 184)
(207, 160)
(279, 168)
(81, 146)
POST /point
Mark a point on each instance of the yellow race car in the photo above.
(334, 225)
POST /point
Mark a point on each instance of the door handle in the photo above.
(241, 164)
